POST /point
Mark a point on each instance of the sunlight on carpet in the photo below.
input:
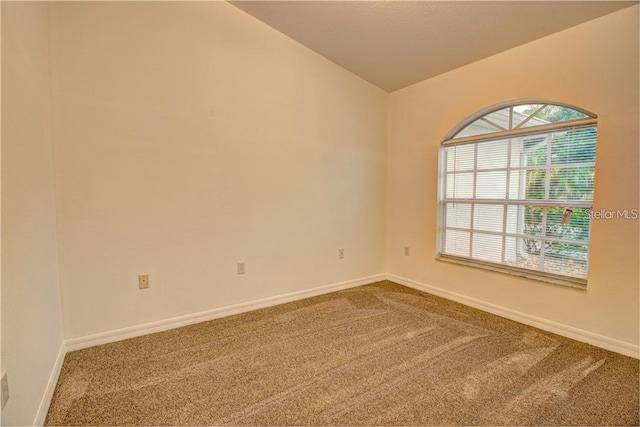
(380, 354)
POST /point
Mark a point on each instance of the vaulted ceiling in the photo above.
(394, 44)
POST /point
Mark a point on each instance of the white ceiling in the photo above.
(394, 44)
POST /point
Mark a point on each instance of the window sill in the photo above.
(528, 274)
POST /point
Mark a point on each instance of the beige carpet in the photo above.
(380, 354)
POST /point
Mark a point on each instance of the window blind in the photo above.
(521, 200)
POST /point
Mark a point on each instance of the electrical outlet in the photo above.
(340, 253)
(407, 251)
(5, 389)
(241, 267)
(143, 281)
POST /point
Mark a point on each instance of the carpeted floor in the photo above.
(380, 354)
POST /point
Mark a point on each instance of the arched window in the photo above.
(516, 190)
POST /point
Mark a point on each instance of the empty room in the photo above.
(320, 213)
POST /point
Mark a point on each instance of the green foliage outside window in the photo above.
(567, 181)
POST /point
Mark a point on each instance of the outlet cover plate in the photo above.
(241, 269)
(143, 281)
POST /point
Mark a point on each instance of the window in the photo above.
(516, 191)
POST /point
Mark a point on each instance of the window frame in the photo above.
(589, 121)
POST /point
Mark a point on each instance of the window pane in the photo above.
(566, 259)
(511, 250)
(479, 127)
(522, 113)
(517, 184)
(459, 186)
(568, 223)
(456, 243)
(574, 146)
(535, 150)
(458, 215)
(532, 225)
(517, 153)
(544, 114)
(460, 157)
(535, 184)
(571, 183)
(488, 217)
(491, 185)
(515, 219)
(534, 122)
(557, 113)
(487, 247)
(493, 154)
(527, 253)
(500, 118)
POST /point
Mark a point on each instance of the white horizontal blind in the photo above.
(521, 202)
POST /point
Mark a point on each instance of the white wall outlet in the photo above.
(5, 389)
(241, 267)
(407, 251)
(143, 281)
(340, 253)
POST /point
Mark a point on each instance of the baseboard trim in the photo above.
(602, 341)
(203, 316)
(45, 402)
(581, 335)
(597, 340)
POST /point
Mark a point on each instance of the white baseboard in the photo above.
(203, 316)
(43, 408)
(602, 341)
(607, 343)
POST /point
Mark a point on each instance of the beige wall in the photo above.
(595, 66)
(31, 321)
(189, 136)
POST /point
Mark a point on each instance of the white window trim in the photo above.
(514, 271)
(500, 106)
(450, 139)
